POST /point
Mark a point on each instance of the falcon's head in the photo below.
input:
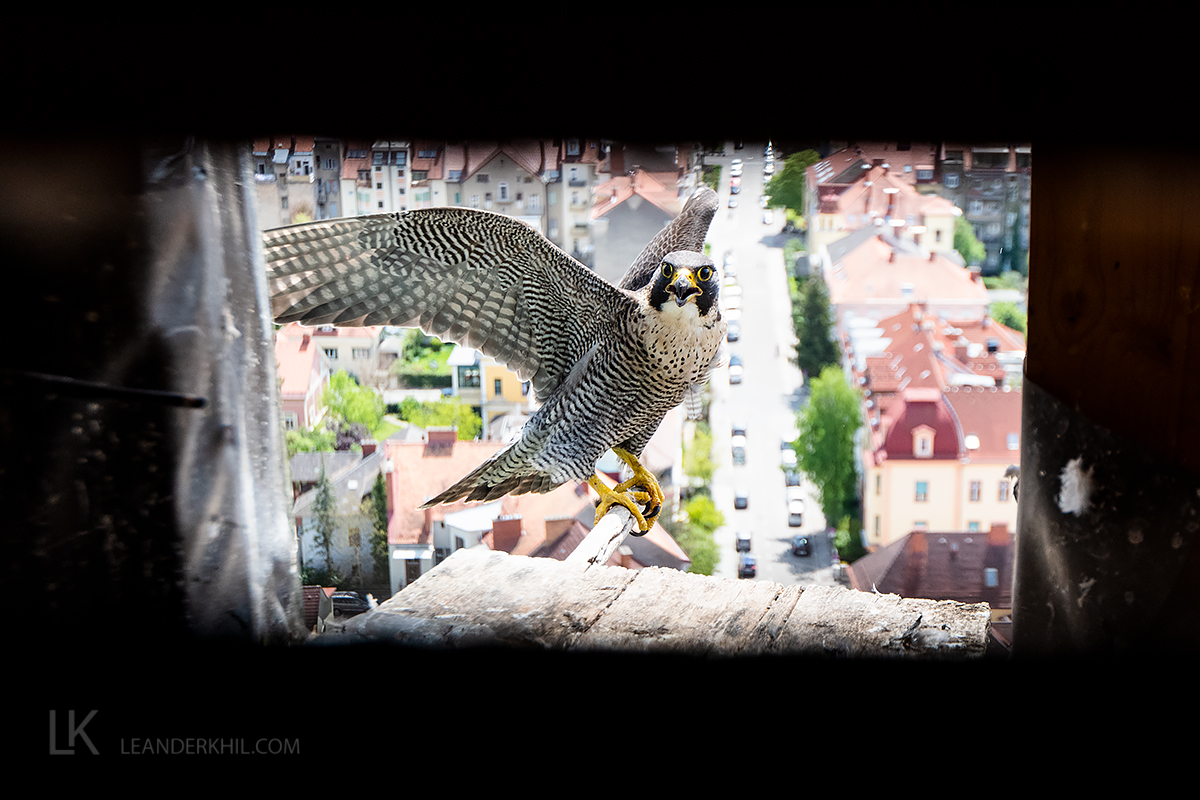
(684, 277)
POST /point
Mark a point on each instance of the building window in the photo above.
(381, 204)
(420, 174)
(378, 185)
(920, 525)
(878, 485)
(923, 445)
(1002, 495)
(922, 494)
(468, 377)
(427, 154)
(474, 201)
(924, 174)
(487, 199)
(364, 174)
(535, 202)
(991, 577)
(1014, 442)
(975, 207)
(877, 526)
(937, 235)
(331, 353)
(498, 386)
(379, 169)
(482, 177)
(502, 190)
(283, 201)
(361, 352)
(974, 491)
(950, 181)
(973, 527)
(289, 421)
(378, 158)
(572, 147)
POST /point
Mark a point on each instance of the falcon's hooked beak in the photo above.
(684, 287)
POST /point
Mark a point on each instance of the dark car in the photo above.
(742, 545)
(741, 499)
(747, 566)
(800, 546)
(349, 604)
(791, 478)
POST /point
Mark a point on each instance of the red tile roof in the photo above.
(942, 566)
(295, 362)
(658, 188)
(991, 415)
(870, 273)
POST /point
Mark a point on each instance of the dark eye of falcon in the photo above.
(705, 273)
(667, 270)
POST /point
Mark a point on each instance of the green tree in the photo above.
(374, 507)
(848, 539)
(697, 458)
(1007, 313)
(786, 187)
(825, 447)
(348, 402)
(324, 510)
(446, 411)
(814, 326)
(310, 441)
(970, 248)
(696, 535)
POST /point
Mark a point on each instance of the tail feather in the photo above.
(507, 472)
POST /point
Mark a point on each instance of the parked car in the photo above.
(795, 513)
(735, 369)
(742, 544)
(747, 566)
(734, 189)
(741, 499)
(738, 445)
(349, 604)
(733, 203)
(737, 428)
(800, 546)
(768, 217)
(733, 331)
(764, 201)
(791, 478)
(788, 456)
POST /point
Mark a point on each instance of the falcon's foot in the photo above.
(624, 494)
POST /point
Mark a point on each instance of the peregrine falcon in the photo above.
(606, 362)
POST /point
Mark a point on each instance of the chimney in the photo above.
(441, 436)
(304, 342)
(557, 526)
(960, 348)
(625, 553)
(892, 256)
(506, 532)
(998, 534)
(369, 446)
(933, 256)
(976, 275)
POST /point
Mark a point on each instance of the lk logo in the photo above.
(73, 730)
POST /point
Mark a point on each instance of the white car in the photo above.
(762, 201)
(768, 217)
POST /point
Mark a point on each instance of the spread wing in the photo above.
(472, 277)
(685, 232)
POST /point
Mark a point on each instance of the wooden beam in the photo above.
(478, 597)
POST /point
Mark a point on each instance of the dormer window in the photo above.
(1014, 442)
(923, 441)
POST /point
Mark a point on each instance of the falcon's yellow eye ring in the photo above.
(667, 270)
(705, 273)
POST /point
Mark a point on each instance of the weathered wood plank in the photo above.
(480, 597)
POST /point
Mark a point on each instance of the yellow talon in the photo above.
(625, 495)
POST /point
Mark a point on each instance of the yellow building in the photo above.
(938, 462)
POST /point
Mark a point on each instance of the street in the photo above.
(769, 395)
